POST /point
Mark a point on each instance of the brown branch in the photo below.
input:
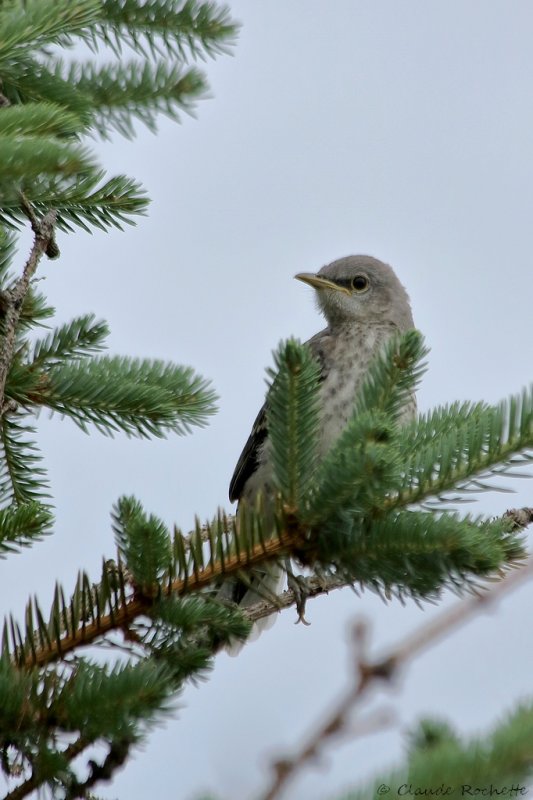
(24, 789)
(141, 602)
(43, 229)
(386, 668)
(115, 758)
(288, 541)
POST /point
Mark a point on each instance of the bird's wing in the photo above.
(249, 458)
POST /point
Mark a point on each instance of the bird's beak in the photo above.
(318, 282)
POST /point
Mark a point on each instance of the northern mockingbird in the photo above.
(365, 305)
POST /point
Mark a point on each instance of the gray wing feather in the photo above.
(249, 458)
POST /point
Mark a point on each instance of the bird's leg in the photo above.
(298, 585)
(322, 577)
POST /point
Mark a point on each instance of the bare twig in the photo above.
(385, 668)
(43, 229)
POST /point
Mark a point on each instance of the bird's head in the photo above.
(360, 289)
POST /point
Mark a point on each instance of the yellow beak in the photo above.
(318, 282)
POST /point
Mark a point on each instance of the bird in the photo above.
(364, 305)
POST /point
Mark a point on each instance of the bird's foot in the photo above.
(298, 585)
(323, 579)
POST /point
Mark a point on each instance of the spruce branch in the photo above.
(26, 158)
(440, 761)
(457, 446)
(369, 672)
(28, 80)
(21, 525)
(35, 780)
(43, 230)
(7, 253)
(417, 554)
(123, 93)
(137, 396)
(38, 119)
(117, 602)
(160, 27)
(118, 752)
(317, 585)
(82, 202)
(293, 419)
(365, 461)
(97, 704)
(393, 377)
(35, 308)
(35, 23)
(80, 338)
(22, 477)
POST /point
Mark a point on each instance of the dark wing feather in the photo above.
(249, 458)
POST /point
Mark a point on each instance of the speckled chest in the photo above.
(349, 357)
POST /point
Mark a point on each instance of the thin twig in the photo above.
(368, 673)
(43, 229)
(310, 587)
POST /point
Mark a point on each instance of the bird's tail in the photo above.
(260, 585)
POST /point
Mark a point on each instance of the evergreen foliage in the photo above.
(293, 420)
(49, 102)
(364, 513)
(440, 760)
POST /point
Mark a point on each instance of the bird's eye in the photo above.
(360, 283)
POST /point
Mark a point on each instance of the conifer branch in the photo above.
(123, 93)
(315, 586)
(143, 600)
(135, 598)
(38, 119)
(43, 230)
(18, 483)
(22, 525)
(140, 397)
(35, 23)
(453, 448)
(118, 752)
(293, 420)
(165, 26)
(82, 202)
(26, 158)
(71, 752)
(369, 672)
(102, 704)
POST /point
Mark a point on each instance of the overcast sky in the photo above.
(398, 129)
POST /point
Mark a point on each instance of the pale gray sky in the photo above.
(398, 129)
